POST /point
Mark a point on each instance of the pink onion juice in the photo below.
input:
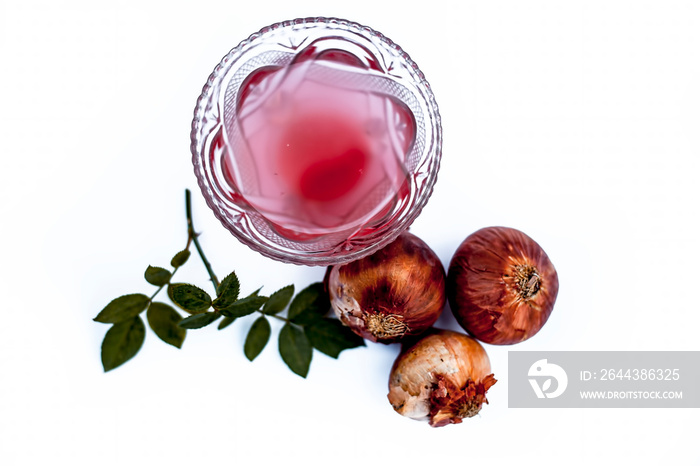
(323, 156)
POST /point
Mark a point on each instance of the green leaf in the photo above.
(228, 292)
(295, 349)
(258, 336)
(225, 322)
(278, 300)
(199, 320)
(244, 306)
(122, 341)
(180, 258)
(189, 297)
(163, 320)
(309, 305)
(157, 276)
(123, 308)
(330, 337)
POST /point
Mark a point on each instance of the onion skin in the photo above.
(394, 293)
(501, 286)
(442, 378)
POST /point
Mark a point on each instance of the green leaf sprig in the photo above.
(305, 328)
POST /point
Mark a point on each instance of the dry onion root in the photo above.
(442, 378)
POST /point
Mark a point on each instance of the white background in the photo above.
(574, 121)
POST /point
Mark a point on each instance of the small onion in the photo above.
(396, 292)
(501, 286)
(442, 378)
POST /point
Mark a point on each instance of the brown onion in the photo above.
(442, 378)
(501, 286)
(396, 292)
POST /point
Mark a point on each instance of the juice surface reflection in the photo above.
(322, 156)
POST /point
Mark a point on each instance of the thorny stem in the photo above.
(192, 236)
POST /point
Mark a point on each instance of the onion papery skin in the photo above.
(442, 378)
(397, 292)
(501, 286)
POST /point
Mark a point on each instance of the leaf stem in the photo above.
(192, 236)
(283, 319)
(156, 293)
(169, 280)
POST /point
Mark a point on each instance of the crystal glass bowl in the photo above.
(316, 141)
